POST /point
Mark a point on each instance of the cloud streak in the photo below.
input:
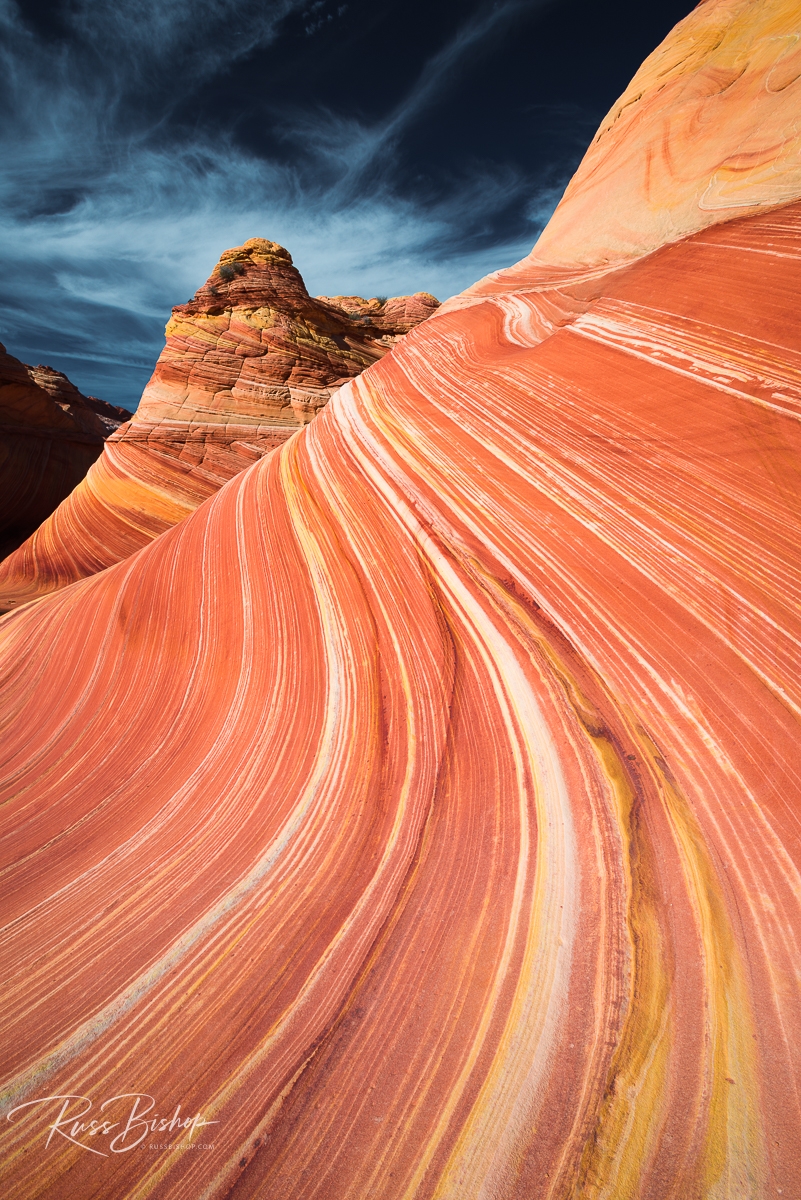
(355, 148)
(110, 214)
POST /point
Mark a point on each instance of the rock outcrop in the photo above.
(706, 130)
(50, 434)
(248, 361)
(423, 810)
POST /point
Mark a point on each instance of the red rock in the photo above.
(423, 810)
(247, 362)
(707, 130)
(50, 434)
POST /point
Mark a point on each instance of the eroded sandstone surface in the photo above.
(247, 362)
(707, 129)
(424, 809)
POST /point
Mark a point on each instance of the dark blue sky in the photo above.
(391, 146)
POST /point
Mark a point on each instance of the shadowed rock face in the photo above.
(424, 809)
(248, 361)
(50, 434)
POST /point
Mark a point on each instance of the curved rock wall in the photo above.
(706, 131)
(423, 809)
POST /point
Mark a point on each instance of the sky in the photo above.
(392, 146)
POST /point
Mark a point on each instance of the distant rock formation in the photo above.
(248, 361)
(50, 434)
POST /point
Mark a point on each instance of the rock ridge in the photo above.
(248, 361)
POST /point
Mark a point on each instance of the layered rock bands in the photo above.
(423, 810)
(247, 362)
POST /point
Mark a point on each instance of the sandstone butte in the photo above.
(424, 808)
(247, 362)
(50, 434)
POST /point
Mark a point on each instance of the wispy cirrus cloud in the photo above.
(111, 212)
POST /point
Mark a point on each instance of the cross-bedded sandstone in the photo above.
(247, 362)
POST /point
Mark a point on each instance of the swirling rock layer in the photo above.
(706, 130)
(424, 809)
(50, 434)
(246, 363)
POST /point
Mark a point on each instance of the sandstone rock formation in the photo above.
(250, 359)
(424, 809)
(706, 130)
(50, 434)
